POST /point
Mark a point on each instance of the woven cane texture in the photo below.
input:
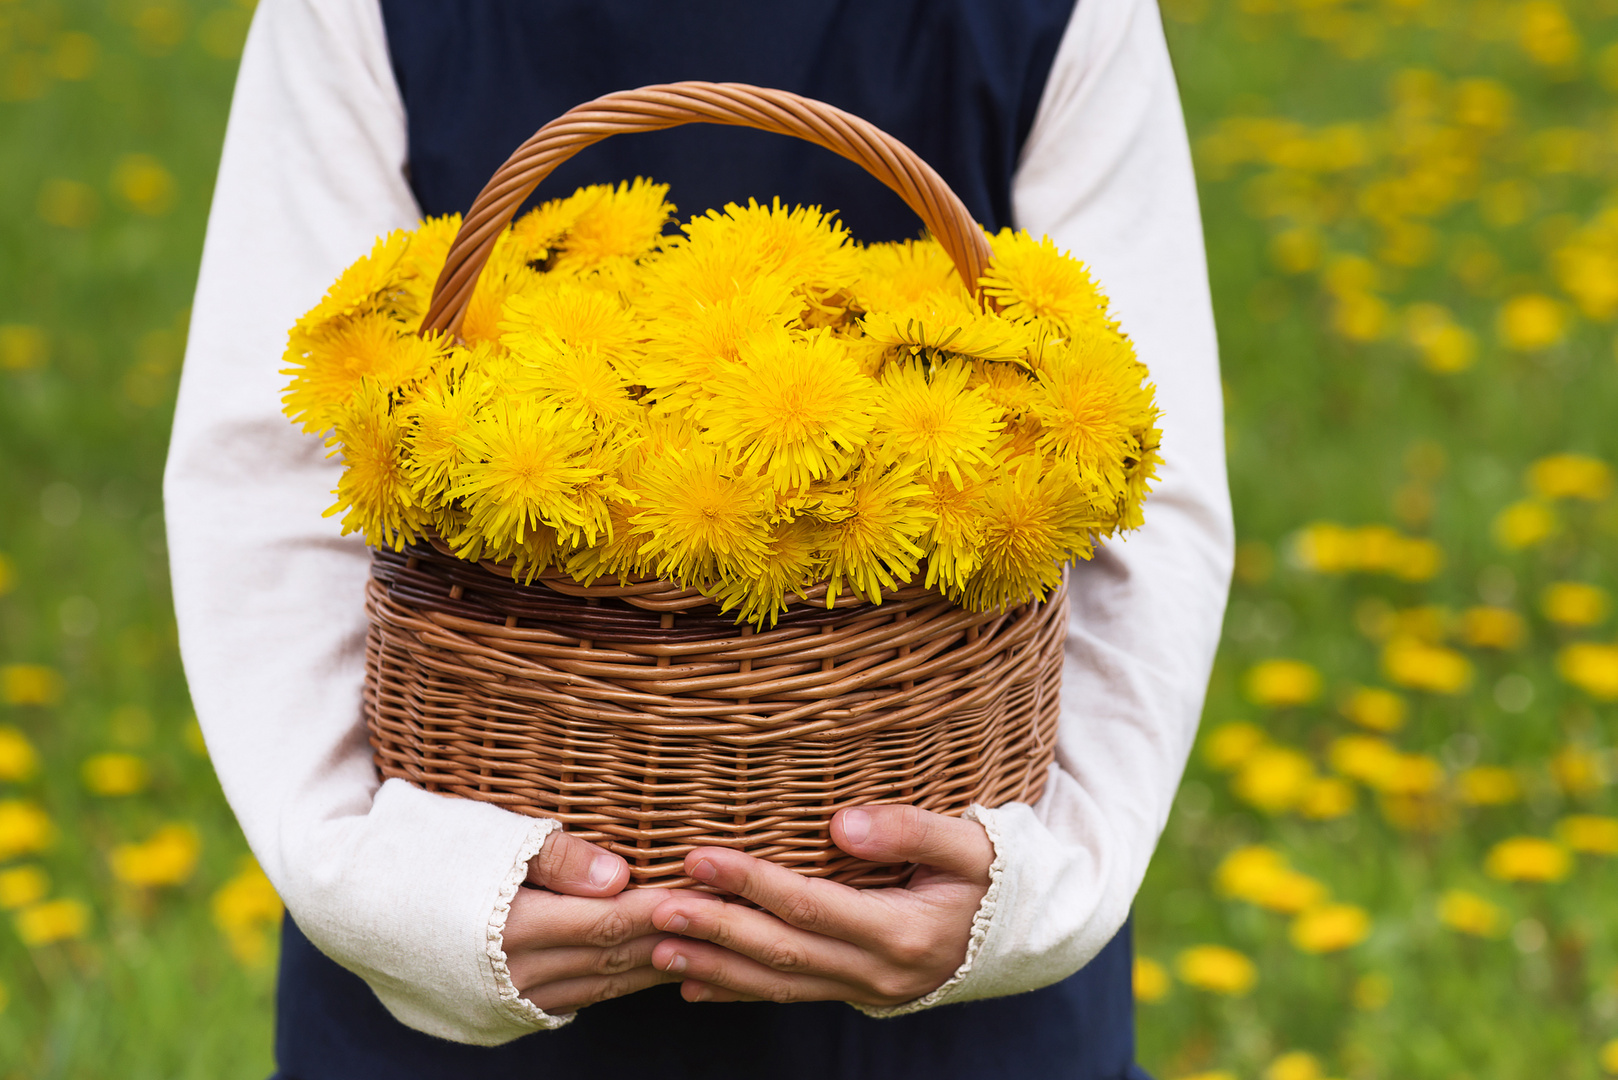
(650, 724)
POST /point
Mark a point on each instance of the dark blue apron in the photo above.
(959, 82)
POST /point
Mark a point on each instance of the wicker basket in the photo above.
(634, 712)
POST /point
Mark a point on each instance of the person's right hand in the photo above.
(579, 938)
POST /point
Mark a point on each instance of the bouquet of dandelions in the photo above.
(748, 408)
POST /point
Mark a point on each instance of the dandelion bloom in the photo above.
(1528, 858)
(1492, 628)
(1469, 913)
(1273, 779)
(1294, 1065)
(1591, 834)
(1365, 758)
(1591, 667)
(1579, 771)
(1415, 664)
(168, 857)
(22, 885)
(29, 684)
(1217, 969)
(18, 759)
(1375, 708)
(1524, 524)
(246, 909)
(1228, 745)
(1330, 928)
(1151, 980)
(1532, 322)
(1260, 875)
(52, 921)
(1281, 683)
(1488, 785)
(24, 828)
(111, 775)
(1570, 476)
(1609, 1056)
(1327, 799)
(1575, 603)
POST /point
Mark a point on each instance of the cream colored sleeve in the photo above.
(405, 888)
(1107, 173)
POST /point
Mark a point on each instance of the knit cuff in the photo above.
(509, 999)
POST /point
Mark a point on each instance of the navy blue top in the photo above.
(958, 81)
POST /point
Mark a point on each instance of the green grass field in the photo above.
(1415, 288)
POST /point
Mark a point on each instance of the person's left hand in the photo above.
(817, 940)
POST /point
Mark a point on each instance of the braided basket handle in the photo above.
(653, 108)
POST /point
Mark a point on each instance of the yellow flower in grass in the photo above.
(329, 366)
(1330, 928)
(1470, 913)
(30, 684)
(1591, 667)
(24, 829)
(1528, 858)
(1213, 1074)
(1151, 980)
(1590, 834)
(1217, 969)
(247, 911)
(1609, 1057)
(1531, 322)
(23, 885)
(1326, 798)
(1033, 280)
(1579, 771)
(1229, 745)
(706, 517)
(167, 857)
(1033, 523)
(1274, 779)
(1488, 785)
(1524, 524)
(114, 774)
(52, 921)
(1492, 628)
(930, 417)
(1377, 709)
(1260, 875)
(1365, 758)
(374, 494)
(1575, 603)
(18, 758)
(1412, 663)
(1570, 476)
(1294, 1065)
(1283, 683)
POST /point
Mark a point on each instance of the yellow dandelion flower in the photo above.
(1592, 667)
(1485, 627)
(1007, 385)
(23, 885)
(577, 380)
(954, 543)
(796, 406)
(24, 829)
(1326, 799)
(1229, 745)
(1417, 665)
(52, 921)
(685, 350)
(1273, 779)
(1330, 928)
(167, 857)
(113, 775)
(374, 493)
(1295, 1065)
(803, 244)
(1591, 834)
(1469, 913)
(948, 323)
(1575, 603)
(328, 368)
(1032, 280)
(1571, 476)
(793, 562)
(18, 758)
(1528, 858)
(1525, 524)
(896, 275)
(1365, 758)
(1282, 683)
(931, 418)
(422, 262)
(1035, 522)
(876, 520)
(505, 277)
(1377, 709)
(614, 222)
(526, 462)
(434, 421)
(1095, 409)
(247, 911)
(1488, 785)
(541, 232)
(1217, 969)
(369, 286)
(568, 314)
(1151, 981)
(30, 684)
(705, 514)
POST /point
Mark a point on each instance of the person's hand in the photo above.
(817, 940)
(579, 938)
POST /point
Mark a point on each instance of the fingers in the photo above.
(813, 904)
(706, 966)
(570, 995)
(577, 867)
(546, 920)
(759, 935)
(535, 967)
(894, 834)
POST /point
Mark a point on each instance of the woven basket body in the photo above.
(640, 716)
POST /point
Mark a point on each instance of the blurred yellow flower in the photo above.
(1531, 322)
(1296, 250)
(1330, 928)
(1217, 969)
(1417, 665)
(1260, 875)
(1329, 548)
(1591, 834)
(1361, 316)
(1546, 34)
(1375, 708)
(1445, 346)
(1295, 1065)
(1524, 524)
(143, 183)
(1609, 1056)
(247, 910)
(1281, 683)
(22, 347)
(1492, 628)
(24, 829)
(1578, 770)
(29, 684)
(1230, 744)
(1215, 1074)
(1273, 779)
(1488, 785)
(22, 885)
(52, 921)
(1372, 992)
(112, 775)
(1528, 858)
(1485, 104)
(1151, 980)
(1412, 774)
(1574, 603)
(168, 857)
(1469, 913)
(1570, 476)
(1591, 667)
(1365, 758)
(18, 759)
(1326, 799)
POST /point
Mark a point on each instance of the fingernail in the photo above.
(856, 826)
(704, 870)
(603, 868)
(677, 964)
(676, 923)
(701, 995)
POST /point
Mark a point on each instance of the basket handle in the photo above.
(653, 108)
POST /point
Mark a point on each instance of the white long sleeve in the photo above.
(410, 889)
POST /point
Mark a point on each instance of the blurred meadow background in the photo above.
(1395, 854)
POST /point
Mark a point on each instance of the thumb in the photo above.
(892, 834)
(577, 867)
